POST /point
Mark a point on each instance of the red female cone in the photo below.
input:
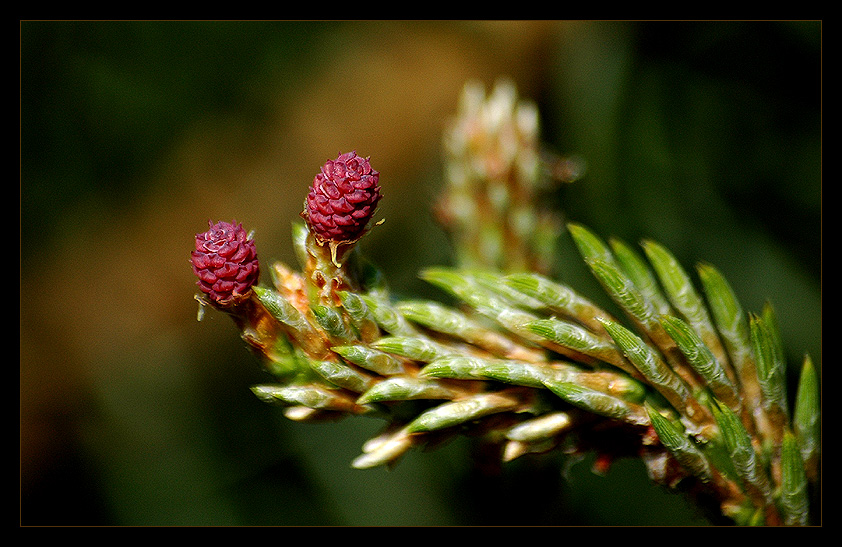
(225, 261)
(342, 199)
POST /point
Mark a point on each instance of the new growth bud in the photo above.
(225, 261)
(342, 199)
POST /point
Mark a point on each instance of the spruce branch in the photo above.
(685, 381)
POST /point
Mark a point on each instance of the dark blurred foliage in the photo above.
(705, 136)
(104, 102)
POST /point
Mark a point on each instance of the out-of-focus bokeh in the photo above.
(705, 136)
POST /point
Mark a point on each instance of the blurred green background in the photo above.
(705, 136)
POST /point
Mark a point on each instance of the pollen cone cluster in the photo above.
(496, 205)
(684, 380)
